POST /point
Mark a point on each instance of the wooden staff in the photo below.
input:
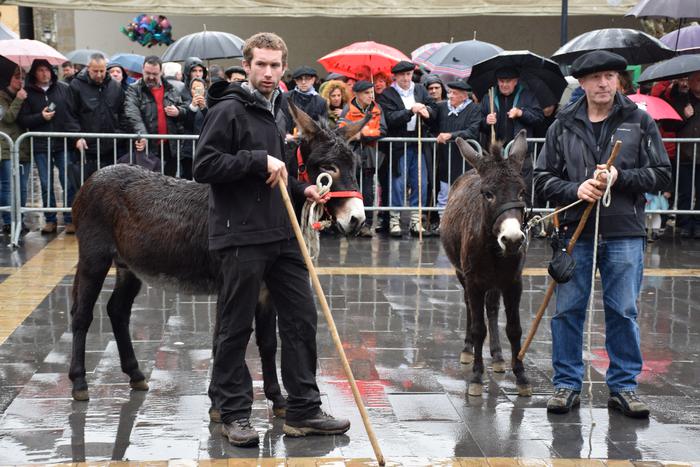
(420, 180)
(569, 249)
(331, 324)
(493, 127)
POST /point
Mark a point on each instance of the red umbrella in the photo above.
(658, 108)
(362, 60)
(24, 51)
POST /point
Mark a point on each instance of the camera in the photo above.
(51, 107)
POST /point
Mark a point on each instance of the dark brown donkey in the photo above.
(482, 236)
(153, 228)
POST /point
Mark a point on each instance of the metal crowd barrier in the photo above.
(108, 148)
(7, 184)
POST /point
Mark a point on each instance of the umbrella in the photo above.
(419, 55)
(82, 56)
(24, 51)
(636, 46)
(458, 58)
(658, 108)
(677, 67)
(7, 69)
(537, 72)
(130, 62)
(675, 9)
(362, 58)
(205, 45)
(684, 40)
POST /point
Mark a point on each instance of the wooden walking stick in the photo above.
(493, 127)
(420, 181)
(331, 324)
(569, 249)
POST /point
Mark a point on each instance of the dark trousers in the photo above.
(243, 269)
(685, 195)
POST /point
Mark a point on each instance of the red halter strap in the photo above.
(343, 194)
(302, 175)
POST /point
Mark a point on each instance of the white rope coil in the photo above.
(311, 214)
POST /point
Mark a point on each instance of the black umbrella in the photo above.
(540, 74)
(458, 58)
(7, 69)
(636, 46)
(677, 67)
(206, 45)
(675, 9)
(82, 56)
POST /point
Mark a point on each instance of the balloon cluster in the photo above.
(149, 30)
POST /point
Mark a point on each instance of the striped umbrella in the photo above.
(458, 58)
(421, 54)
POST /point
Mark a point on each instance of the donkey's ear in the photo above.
(518, 150)
(348, 131)
(469, 153)
(309, 129)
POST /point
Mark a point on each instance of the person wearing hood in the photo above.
(193, 124)
(192, 68)
(98, 102)
(153, 106)
(571, 167)
(118, 74)
(435, 86)
(239, 154)
(12, 95)
(49, 107)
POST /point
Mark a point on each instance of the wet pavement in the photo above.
(402, 333)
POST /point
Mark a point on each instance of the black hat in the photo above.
(304, 71)
(362, 85)
(507, 72)
(459, 84)
(338, 76)
(234, 69)
(402, 66)
(598, 60)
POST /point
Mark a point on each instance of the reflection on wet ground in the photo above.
(402, 334)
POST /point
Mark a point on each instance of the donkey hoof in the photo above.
(80, 394)
(141, 385)
(214, 415)
(524, 390)
(466, 358)
(475, 389)
(499, 366)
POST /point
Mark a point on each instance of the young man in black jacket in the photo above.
(48, 107)
(239, 155)
(569, 168)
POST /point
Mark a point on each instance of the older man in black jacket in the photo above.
(405, 106)
(154, 106)
(49, 107)
(98, 102)
(239, 155)
(569, 168)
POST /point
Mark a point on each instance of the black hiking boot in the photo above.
(629, 404)
(319, 424)
(563, 400)
(240, 433)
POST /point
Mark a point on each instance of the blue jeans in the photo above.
(6, 186)
(620, 263)
(411, 166)
(58, 160)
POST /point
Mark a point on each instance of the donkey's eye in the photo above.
(332, 169)
(488, 195)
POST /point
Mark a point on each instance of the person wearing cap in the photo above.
(457, 117)
(235, 74)
(405, 106)
(364, 143)
(569, 168)
(305, 96)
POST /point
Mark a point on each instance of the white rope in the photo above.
(311, 213)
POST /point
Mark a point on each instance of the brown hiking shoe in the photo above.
(70, 228)
(240, 433)
(319, 424)
(49, 227)
(629, 404)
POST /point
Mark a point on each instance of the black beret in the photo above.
(362, 85)
(461, 85)
(303, 71)
(598, 60)
(402, 66)
(507, 72)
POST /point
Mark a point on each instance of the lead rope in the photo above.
(606, 202)
(311, 214)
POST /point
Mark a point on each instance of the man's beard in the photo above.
(152, 83)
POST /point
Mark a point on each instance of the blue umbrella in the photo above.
(130, 62)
